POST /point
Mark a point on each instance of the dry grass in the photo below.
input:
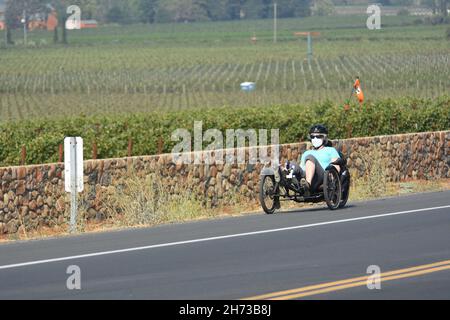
(149, 201)
(412, 186)
(373, 182)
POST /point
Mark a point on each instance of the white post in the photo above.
(73, 185)
(73, 174)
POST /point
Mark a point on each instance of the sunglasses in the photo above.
(317, 136)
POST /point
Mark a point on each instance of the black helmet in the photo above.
(318, 128)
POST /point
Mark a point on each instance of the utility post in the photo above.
(275, 27)
(25, 29)
(310, 50)
(309, 39)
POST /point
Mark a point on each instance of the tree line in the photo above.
(152, 11)
(155, 11)
(19, 12)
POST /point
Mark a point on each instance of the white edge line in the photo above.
(170, 244)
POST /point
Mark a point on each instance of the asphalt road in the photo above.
(243, 257)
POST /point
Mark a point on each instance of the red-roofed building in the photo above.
(88, 24)
(45, 22)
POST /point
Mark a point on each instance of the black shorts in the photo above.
(318, 174)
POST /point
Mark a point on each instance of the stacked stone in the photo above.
(31, 197)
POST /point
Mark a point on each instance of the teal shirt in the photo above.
(324, 156)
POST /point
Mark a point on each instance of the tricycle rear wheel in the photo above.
(332, 189)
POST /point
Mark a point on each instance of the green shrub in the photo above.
(111, 133)
(403, 12)
(437, 19)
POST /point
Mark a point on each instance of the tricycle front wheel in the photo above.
(345, 182)
(267, 194)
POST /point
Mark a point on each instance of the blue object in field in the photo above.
(248, 86)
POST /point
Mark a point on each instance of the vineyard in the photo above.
(279, 81)
(175, 67)
(137, 82)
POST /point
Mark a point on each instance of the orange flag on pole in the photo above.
(358, 91)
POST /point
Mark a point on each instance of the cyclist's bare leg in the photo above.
(310, 170)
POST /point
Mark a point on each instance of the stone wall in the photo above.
(33, 196)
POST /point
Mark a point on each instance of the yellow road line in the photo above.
(358, 281)
(361, 283)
